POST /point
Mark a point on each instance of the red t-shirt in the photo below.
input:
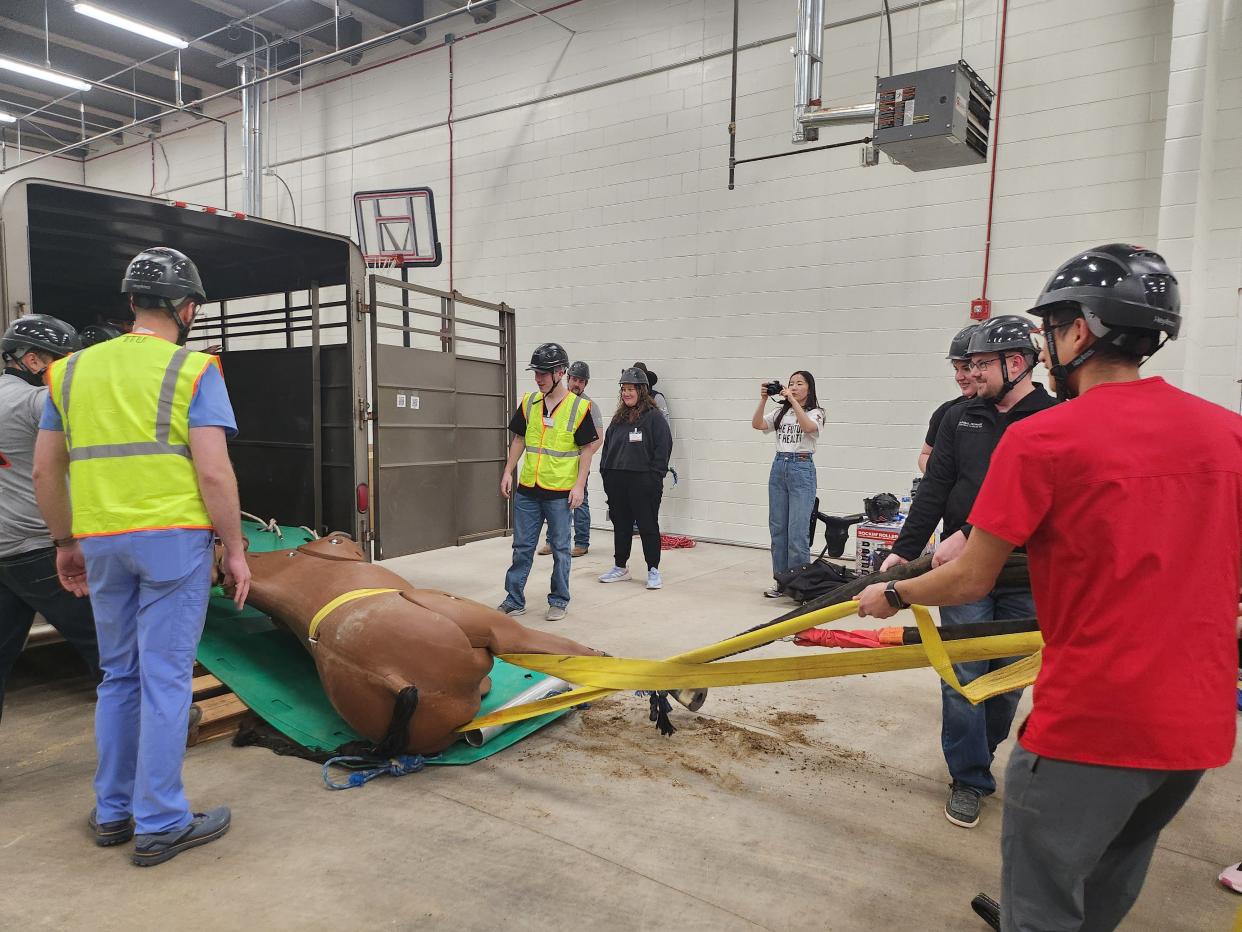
(1129, 502)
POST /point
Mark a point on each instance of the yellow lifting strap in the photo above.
(601, 676)
(351, 596)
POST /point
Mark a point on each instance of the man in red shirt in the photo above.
(1128, 499)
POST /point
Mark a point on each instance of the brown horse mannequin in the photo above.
(371, 649)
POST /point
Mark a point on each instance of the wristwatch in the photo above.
(894, 597)
(64, 541)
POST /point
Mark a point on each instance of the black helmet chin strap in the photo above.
(183, 329)
(13, 364)
(1062, 371)
(1008, 384)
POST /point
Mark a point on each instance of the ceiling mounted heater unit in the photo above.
(934, 118)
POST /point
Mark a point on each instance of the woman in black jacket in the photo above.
(633, 463)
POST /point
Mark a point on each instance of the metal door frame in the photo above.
(446, 332)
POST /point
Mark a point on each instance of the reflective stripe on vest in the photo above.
(125, 409)
(551, 460)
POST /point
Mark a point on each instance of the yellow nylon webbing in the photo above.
(668, 675)
(693, 669)
(336, 603)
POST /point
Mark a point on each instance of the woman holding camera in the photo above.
(633, 463)
(796, 421)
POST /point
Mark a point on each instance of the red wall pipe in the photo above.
(981, 307)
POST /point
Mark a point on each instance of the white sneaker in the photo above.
(616, 574)
(653, 579)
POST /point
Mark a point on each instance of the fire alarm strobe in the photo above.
(934, 118)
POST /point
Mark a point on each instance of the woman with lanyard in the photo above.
(633, 463)
(796, 421)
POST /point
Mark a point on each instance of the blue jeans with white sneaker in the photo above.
(529, 515)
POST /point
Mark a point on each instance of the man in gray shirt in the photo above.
(28, 580)
(576, 378)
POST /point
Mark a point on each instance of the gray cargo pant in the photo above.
(1077, 839)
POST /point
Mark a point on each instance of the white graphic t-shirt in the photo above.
(789, 436)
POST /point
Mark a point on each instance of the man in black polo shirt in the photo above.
(959, 359)
(1002, 355)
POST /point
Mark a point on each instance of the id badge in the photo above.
(636, 436)
(549, 422)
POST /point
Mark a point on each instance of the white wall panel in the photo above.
(602, 214)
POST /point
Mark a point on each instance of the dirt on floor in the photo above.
(617, 736)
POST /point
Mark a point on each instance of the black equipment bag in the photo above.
(812, 580)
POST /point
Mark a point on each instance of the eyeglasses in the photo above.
(982, 364)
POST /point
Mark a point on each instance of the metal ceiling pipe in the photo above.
(833, 116)
(252, 141)
(808, 65)
(355, 49)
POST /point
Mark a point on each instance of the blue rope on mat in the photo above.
(397, 766)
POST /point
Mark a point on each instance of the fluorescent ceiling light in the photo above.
(124, 22)
(7, 118)
(43, 74)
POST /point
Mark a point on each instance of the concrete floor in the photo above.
(804, 806)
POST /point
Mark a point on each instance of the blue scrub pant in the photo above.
(149, 590)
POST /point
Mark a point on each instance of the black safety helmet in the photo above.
(959, 346)
(633, 376)
(548, 357)
(99, 333)
(1002, 335)
(1127, 295)
(1007, 332)
(163, 273)
(40, 332)
(579, 370)
(1116, 287)
(165, 278)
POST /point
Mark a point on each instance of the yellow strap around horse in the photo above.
(601, 676)
(351, 596)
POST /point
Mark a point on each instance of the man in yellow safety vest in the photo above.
(139, 424)
(558, 437)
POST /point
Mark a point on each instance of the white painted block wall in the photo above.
(589, 192)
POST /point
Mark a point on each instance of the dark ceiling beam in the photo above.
(105, 54)
(16, 92)
(484, 13)
(275, 27)
(382, 24)
(55, 121)
(32, 142)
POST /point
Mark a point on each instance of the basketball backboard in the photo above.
(397, 227)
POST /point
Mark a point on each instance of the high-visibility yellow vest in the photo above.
(125, 405)
(551, 460)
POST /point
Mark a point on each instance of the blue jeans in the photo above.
(529, 514)
(149, 590)
(970, 734)
(791, 496)
(582, 524)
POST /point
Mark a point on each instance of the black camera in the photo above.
(773, 389)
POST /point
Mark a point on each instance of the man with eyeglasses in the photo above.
(1002, 355)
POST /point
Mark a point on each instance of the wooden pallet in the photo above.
(223, 713)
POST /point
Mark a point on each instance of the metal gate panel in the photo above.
(442, 393)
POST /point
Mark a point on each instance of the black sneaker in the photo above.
(987, 909)
(111, 833)
(963, 805)
(163, 846)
